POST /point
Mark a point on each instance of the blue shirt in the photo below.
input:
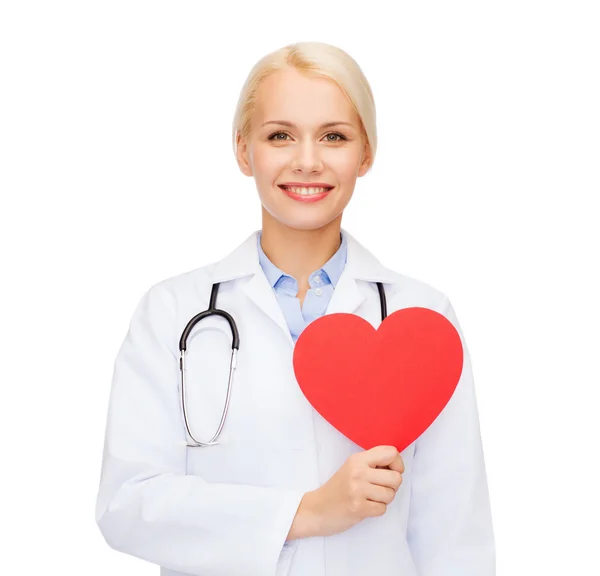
(322, 283)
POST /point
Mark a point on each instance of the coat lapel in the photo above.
(347, 296)
(361, 265)
(244, 262)
(261, 293)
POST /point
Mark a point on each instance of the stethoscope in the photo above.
(235, 345)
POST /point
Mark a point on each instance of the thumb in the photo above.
(381, 456)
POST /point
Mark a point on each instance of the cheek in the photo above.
(345, 166)
(267, 165)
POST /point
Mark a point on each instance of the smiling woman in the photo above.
(279, 491)
(295, 121)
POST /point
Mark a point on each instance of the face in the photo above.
(304, 131)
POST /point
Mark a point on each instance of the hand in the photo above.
(363, 487)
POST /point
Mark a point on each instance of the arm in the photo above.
(147, 506)
(450, 526)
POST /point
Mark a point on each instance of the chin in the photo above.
(306, 225)
(296, 216)
(304, 221)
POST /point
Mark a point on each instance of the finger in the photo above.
(382, 494)
(381, 456)
(384, 477)
(371, 509)
(397, 464)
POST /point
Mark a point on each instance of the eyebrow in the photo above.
(292, 125)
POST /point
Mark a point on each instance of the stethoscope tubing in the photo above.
(235, 345)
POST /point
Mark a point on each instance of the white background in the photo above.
(116, 171)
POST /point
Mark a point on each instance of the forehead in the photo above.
(290, 95)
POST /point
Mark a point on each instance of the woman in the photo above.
(283, 492)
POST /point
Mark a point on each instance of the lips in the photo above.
(289, 186)
(307, 197)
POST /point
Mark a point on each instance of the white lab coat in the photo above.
(226, 510)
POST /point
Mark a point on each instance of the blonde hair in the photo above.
(315, 59)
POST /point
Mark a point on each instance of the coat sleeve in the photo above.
(449, 524)
(146, 505)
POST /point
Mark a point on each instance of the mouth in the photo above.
(306, 193)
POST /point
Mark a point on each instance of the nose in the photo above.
(307, 158)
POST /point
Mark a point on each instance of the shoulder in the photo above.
(401, 289)
(188, 285)
(194, 286)
(405, 291)
(408, 290)
(167, 299)
(167, 305)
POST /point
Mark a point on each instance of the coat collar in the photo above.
(243, 261)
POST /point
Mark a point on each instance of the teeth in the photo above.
(305, 191)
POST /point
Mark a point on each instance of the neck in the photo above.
(299, 252)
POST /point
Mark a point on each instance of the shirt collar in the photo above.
(243, 262)
(333, 267)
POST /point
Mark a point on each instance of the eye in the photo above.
(339, 136)
(272, 136)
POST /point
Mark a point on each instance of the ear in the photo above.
(365, 162)
(242, 155)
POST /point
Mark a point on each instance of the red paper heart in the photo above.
(384, 386)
